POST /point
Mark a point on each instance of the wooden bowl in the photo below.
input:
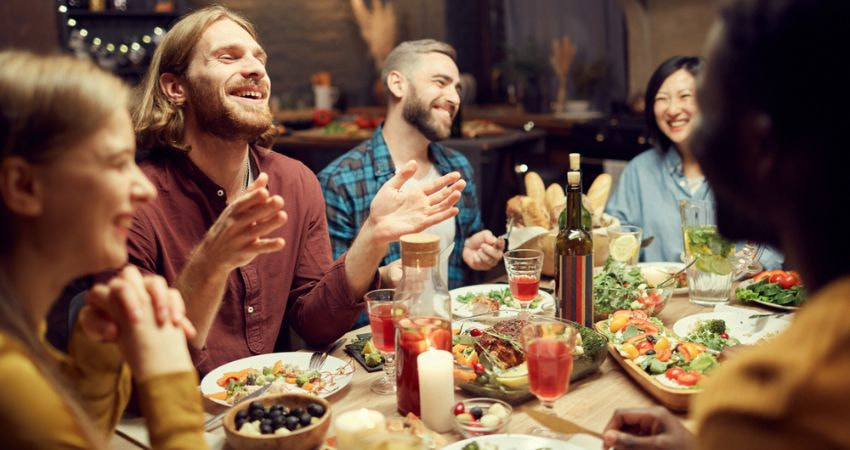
(304, 438)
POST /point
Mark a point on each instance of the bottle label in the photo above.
(575, 288)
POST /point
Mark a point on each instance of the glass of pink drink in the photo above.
(523, 268)
(548, 343)
(383, 313)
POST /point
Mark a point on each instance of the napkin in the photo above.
(521, 235)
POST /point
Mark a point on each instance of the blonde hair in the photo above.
(48, 104)
(158, 122)
(404, 57)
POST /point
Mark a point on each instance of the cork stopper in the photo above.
(420, 250)
(575, 161)
(573, 178)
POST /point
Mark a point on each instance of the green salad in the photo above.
(767, 292)
(712, 334)
(503, 296)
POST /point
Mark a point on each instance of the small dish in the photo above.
(303, 438)
(481, 416)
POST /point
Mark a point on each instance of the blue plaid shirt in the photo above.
(351, 181)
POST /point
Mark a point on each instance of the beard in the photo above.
(418, 114)
(223, 117)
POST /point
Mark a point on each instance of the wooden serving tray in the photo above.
(673, 399)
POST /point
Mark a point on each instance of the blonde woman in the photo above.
(69, 187)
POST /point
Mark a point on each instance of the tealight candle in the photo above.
(436, 389)
(353, 428)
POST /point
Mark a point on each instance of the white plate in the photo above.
(528, 442)
(300, 359)
(459, 309)
(738, 324)
(670, 267)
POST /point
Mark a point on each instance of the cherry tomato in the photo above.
(724, 335)
(688, 378)
(765, 274)
(322, 117)
(789, 280)
(478, 368)
(475, 332)
(776, 277)
(459, 408)
(673, 373)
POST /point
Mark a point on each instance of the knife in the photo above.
(558, 424)
(216, 421)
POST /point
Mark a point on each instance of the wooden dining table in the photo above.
(590, 401)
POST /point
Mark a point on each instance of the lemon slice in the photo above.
(515, 377)
(624, 247)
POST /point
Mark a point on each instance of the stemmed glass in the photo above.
(548, 343)
(383, 313)
(523, 267)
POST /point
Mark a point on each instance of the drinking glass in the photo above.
(548, 343)
(383, 313)
(523, 267)
(624, 243)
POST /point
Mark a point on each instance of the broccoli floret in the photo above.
(591, 342)
(715, 326)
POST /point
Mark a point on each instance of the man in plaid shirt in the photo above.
(423, 90)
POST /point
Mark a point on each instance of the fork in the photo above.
(317, 359)
(507, 234)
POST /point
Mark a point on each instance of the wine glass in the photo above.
(548, 343)
(523, 267)
(383, 313)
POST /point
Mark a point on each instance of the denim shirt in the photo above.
(648, 194)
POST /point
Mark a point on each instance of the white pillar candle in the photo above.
(436, 389)
(354, 427)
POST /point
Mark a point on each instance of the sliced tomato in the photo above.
(643, 347)
(663, 355)
(766, 274)
(688, 378)
(776, 277)
(673, 373)
(645, 325)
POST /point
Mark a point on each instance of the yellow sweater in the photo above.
(34, 416)
(792, 392)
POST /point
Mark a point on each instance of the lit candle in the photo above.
(354, 427)
(436, 389)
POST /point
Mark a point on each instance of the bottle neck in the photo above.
(573, 206)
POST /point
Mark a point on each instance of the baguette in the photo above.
(534, 187)
(556, 200)
(514, 210)
(598, 193)
(534, 214)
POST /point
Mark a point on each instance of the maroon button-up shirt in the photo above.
(301, 282)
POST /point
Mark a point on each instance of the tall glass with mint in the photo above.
(710, 276)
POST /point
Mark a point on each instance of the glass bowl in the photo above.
(479, 376)
(651, 300)
(493, 416)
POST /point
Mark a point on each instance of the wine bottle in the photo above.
(574, 260)
(586, 218)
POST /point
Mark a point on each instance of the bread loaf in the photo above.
(556, 201)
(534, 187)
(598, 192)
(534, 214)
(513, 211)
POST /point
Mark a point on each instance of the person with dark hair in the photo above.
(653, 183)
(69, 186)
(773, 153)
(219, 232)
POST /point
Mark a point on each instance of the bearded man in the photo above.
(219, 231)
(423, 89)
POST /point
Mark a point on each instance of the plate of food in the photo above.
(287, 372)
(670, 367)
(490, 361)
(364, 351)
(617, 286)
(748, 327)
(658, 272)
(524, 442)
(775, 289)
(482, 298)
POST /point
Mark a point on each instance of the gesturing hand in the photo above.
(650, 428)
(483, 250)
(394, 213)
(239, 233)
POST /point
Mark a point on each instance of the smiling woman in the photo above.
(69, 186)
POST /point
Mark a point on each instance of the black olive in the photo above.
(242, 415)
(255, 405)
(297, 412)
(257, 414)
(239, 423)
(650, 352)
(274, 413)
(651, 339)
(306, 419)
(279, 422)
(266, 421)
(316, 410)
(266, 429)
(292, 422)
(276, 407)
(476, 412)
